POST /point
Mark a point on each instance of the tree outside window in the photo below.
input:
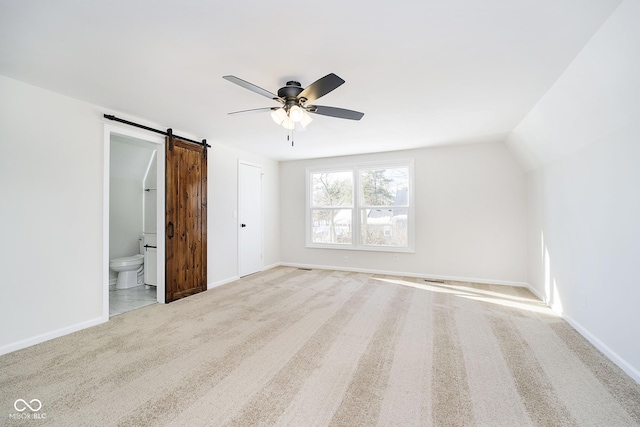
(364, 206)
(332, 212)
(384, 206)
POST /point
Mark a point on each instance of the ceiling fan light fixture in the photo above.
(278, 115)
(295, 113)
(306, 119)
(288, 124)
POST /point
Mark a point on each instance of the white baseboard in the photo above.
(269, 267)
(51, 335)
(234, 278)
(612, 355)
(404, 273)
(222, 282)
(537, 293)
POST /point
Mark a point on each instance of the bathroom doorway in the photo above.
(133, 218)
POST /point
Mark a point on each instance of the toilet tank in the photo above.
(141, 244)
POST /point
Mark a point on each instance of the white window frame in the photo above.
(356, 234)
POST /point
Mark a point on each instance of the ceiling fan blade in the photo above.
(257, 89)
(320, 87)
(340, 113)
(253, 110)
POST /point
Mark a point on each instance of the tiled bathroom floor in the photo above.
(123, 300)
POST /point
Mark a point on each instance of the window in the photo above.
(363, 206)
(332, 207)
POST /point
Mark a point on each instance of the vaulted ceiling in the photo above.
(425, 73)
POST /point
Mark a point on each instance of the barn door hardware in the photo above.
(168, 132)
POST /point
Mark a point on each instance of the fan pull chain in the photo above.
(290, 136)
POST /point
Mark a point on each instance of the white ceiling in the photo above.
(425, 73)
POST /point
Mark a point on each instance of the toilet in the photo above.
(128, 268)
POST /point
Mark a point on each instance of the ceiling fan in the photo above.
(295, 101)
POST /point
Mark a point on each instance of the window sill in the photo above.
(360, 248)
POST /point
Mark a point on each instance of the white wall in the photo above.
(128, 164)
(51, 197)
(125, 213)
(470, 216)
(223, 206)
(51, 171)
(150, 220)
(581, 143)
(125, 219)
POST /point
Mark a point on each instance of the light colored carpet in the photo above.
(314, 348)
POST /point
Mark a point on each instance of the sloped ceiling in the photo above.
(595, 98)
(425, 73)
(130, 159)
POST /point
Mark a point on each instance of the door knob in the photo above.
(243, 225)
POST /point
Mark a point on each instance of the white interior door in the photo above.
(250, 219)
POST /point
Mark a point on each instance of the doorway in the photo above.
(250, 219)
(114, 135)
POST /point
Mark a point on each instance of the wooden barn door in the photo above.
(186, 219)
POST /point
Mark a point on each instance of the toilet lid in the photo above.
(133, 259)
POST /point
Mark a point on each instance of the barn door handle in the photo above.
(243, 225)
(170, 228)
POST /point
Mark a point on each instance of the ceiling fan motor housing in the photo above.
(290, 92)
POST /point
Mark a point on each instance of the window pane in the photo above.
(385, 187)
(332, 188)
(384, 227)
(331, 226)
